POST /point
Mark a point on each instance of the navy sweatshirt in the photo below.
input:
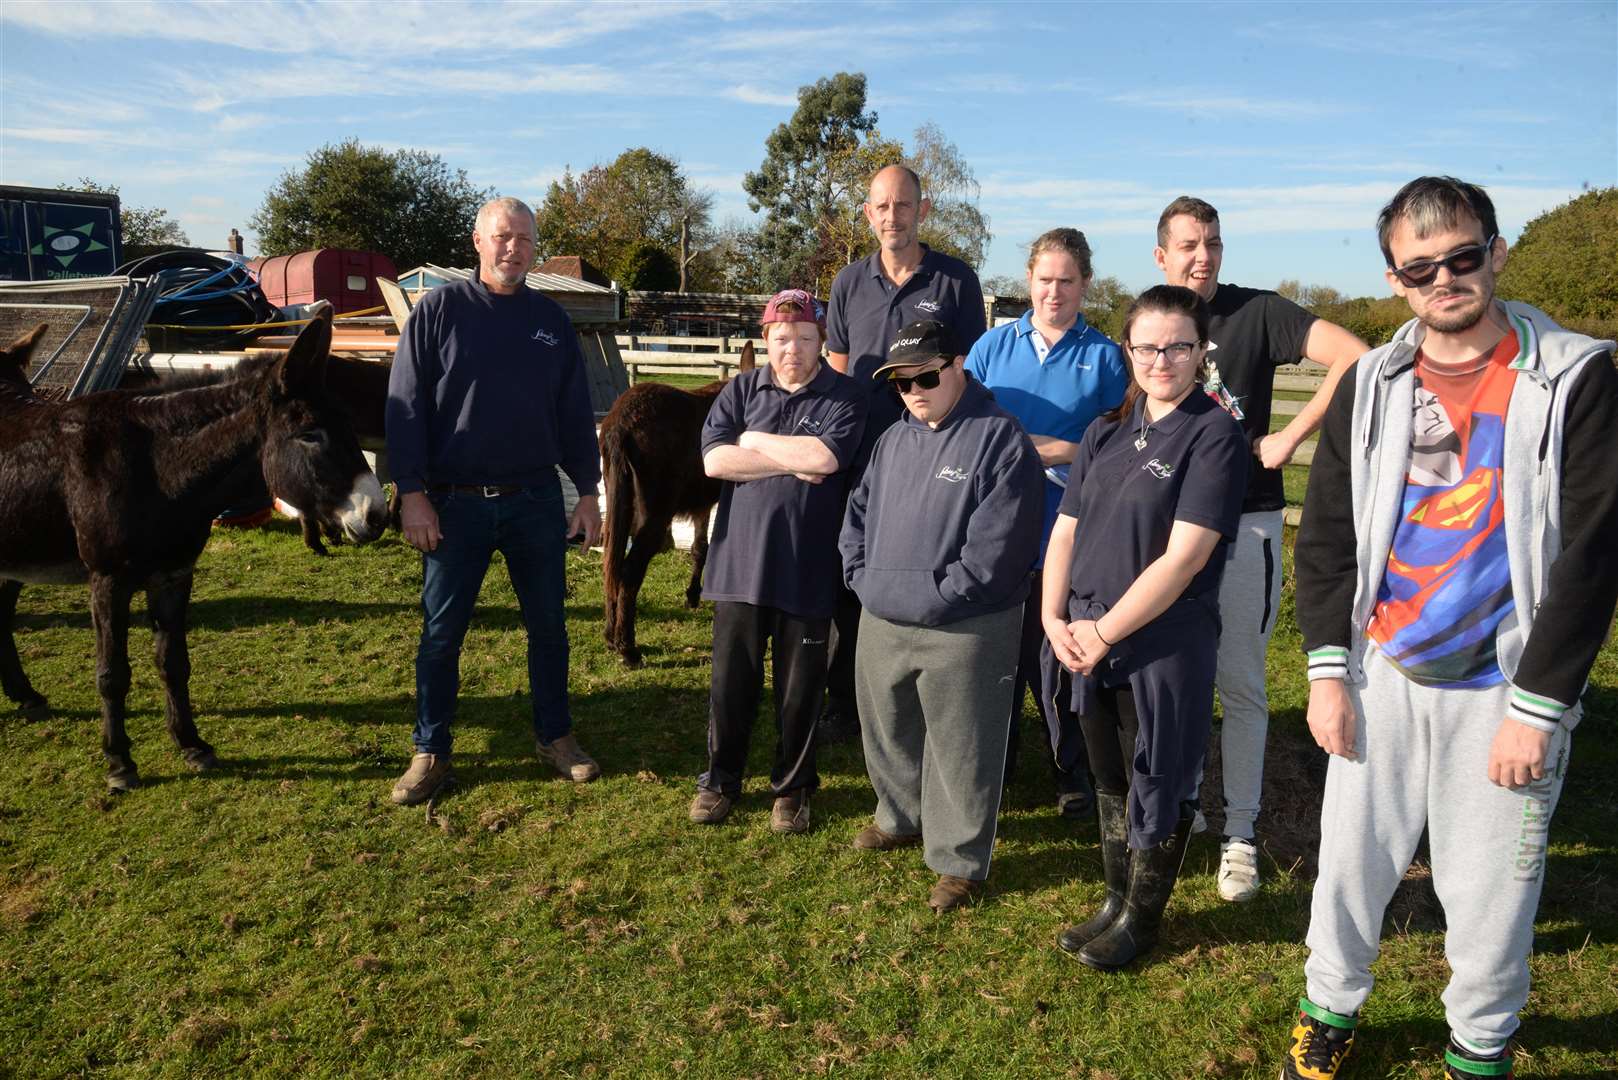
(945, 524)
(489, 389)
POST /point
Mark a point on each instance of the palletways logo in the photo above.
(70, 232)
(931, 307)
(1158, 469)
(953, 474)
(546, 336)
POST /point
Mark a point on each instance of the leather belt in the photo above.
(487, 491)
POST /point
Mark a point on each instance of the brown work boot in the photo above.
(873, 838)
(709, 808)
(790, 814)
(952, 892)
(569, 759)
(425, 776)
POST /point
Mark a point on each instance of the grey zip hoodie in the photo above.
(1560, 489)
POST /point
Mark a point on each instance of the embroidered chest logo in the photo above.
(810, 424)
(1158, 469)
(546, 336)
(952, 474)
(931, 307)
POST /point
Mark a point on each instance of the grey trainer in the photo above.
(709, 808)
(790, 814)
(569, 759)
(425, 776)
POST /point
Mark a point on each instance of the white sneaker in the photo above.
(1238, 869)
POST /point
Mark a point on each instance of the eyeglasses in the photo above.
(927, 380)
(1467, 260)
(1176, 352)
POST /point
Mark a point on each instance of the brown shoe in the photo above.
(873, 838)
(790, 814)
(569, 759)
(952, 892)
(425, 776)
(709, 808)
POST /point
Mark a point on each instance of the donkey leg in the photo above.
(642, 547)
(167, 599)
(13, 679)
(699, 558)
(109, 610)
(311, 536)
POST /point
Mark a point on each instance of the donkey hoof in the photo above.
(631, 658)
(35, 708)
(200, 758)
(122, 780)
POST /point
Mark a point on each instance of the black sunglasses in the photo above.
(1467, 260)
(927, 380)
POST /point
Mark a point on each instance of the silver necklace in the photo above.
(1140, 440)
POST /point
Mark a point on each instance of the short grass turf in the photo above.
(280, 917)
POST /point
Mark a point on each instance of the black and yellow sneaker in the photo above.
(1463, 1064)
(1320, 1041)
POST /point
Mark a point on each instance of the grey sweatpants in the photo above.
(1249, 596)
(935, 712)
(1422, 758)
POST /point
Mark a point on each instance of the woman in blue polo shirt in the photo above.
(1131, 607)
(1055, 373)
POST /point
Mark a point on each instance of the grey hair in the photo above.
(1434, 203)
(509, 205)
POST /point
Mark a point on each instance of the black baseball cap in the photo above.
(917, 344)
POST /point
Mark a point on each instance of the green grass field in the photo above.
(281, 917)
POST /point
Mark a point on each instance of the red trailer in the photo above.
(346, 278)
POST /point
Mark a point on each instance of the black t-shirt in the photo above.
(1253, 332)
(1192, 467)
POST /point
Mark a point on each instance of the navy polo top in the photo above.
(1192, 467)
(867, 311)
(775, 539)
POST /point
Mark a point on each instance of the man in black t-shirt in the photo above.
(1253, 331)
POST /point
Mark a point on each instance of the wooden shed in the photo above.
(596, 310)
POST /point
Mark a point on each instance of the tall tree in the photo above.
(1566, 262)
(141, 226)
(408, 205)
(955, 225)
(615, 214)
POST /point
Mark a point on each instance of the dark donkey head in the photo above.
(310, 456)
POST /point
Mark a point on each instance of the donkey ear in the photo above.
(22, 348)
(746, 362)
(303, 369)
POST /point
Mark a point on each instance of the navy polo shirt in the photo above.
(867, 311)
(775, 539)
(1192, 467)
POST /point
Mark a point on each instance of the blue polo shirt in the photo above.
(867, 311)
(775, 540)
(1081, 377)
(1191, 466)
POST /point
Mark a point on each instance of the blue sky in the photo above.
(1297, 120)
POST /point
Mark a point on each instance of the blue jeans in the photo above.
(529, 529)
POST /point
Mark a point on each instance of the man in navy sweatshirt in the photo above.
(487, 397)
(937, 543)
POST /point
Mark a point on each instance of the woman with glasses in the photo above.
(1131, 607)
(1055, 373)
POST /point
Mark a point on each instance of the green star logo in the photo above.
(65, 245)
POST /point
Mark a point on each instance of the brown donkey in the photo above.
(121, 488)
(651, 462)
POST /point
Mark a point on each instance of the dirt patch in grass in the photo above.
(21, 902)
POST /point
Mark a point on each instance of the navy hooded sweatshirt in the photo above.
(945, 524)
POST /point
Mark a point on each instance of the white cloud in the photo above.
(1214, 105)
(753, 95)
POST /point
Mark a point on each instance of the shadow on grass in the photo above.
(1379, 1047)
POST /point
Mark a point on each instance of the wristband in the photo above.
(1097, 627)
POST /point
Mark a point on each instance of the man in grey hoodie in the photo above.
(938, 541)
(1451, 608)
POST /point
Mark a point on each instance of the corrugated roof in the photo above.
(550, 283)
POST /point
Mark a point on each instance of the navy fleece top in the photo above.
(945, 524)
(489, 389)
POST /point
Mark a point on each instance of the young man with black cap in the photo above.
(781, 437)
(939, 538)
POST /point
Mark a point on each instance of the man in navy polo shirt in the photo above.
(1253, 332)
(937, 542)
(487, 397)
(782, 437)
(903, 281)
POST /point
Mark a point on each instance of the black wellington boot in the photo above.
(1152, 874)
(1113, 813)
